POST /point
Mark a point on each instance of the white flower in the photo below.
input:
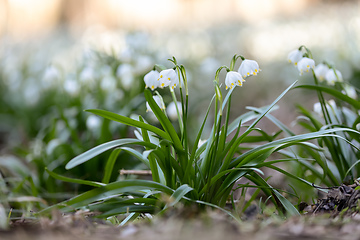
(158, 101)
(330, 105)
(167, 78)
(320, 71)
(71, 86)
(233, 79)
(172, 112)
(350, 91)
(151, 79)
(305, 64)
(93, 122)
(295, 56)
(249, 67)
(108, 83)
(331, 77)
(317, 108)
(126, 75)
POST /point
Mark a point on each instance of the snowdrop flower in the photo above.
(158, 101)
(108, 83)
(350, 91)
(167, 78)
(248, 67)
(172, 112)
(317, 108)
(125, 73)
(320, 71)
(330, 105)
(93, 122)
(305, 64)
(331, 77)
(151, 79)
(233, 79)
(71, 86)
(295, 56)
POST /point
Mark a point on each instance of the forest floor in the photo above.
(334, 217)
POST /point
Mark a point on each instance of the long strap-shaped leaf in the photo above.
(333, 92)
(74, 180)
(129, 121)
(291, 139)
(108, 191)
(164, 121)
(104, 147)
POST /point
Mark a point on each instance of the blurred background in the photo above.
(60, 57)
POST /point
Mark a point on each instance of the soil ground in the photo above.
(209, 226)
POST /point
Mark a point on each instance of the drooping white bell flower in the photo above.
(330, 105)
(151, 79)
(320, 71)
(317, 108)
(248, 68)
(158, 101)
(295, 56)
(233, 79)
(305, 64)
(331, 77)
(350, 91)
(172, 112)
(167, 78)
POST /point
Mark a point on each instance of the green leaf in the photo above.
(129, 121)
(102, 148)
(109, 191)
(73, 180)
(110, 165)
(164, 121)
(334, 93)
(179, 193)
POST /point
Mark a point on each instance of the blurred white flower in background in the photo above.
(330, 105)
(51, 76)
(332, 76)
(126, 75)
(93, 122)
(108, 83)
(248, 68)
(295, 56)
(126, 55)
(71, 86)
(320, 71)
(305, 64)
(172, 112)
(350, 91)
(87, 74)
(317, 108)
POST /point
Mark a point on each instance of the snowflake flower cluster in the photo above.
(246, 69)
(321, 71)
